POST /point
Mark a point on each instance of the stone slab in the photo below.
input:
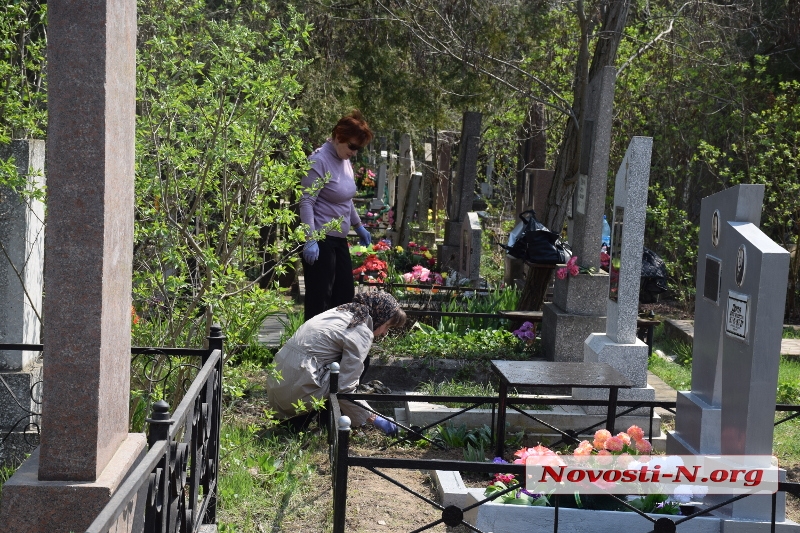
(35, 506)
(564, 417)
(585, 294)
(627, 240)
(699, 425)
(17, 446)
(630, 360)
(563, 334)
(504, 518)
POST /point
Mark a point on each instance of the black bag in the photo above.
(654, 276)
(534, 243)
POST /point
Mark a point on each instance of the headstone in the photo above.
(443, 148)
(470, 258)
(463, 190)
(412, 193)
(741, 292)
(407, 168)
(618, 346)
(21, 285)
(86, 450)
(579, 302)
(425, 235)
(377, 202)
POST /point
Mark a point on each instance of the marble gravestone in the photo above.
(741, 292)
(619, 346)
(462, 191)
(579, 302)
(21, 285)
(380, 185)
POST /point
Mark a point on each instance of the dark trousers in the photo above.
(329, 281)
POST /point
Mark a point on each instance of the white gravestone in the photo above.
(470, 258)
(618, 346)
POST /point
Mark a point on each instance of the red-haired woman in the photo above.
(328, 194)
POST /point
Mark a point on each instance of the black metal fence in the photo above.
(452, 515)
(174, 488)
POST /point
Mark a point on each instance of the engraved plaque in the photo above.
(736, 315)
(711, 282)
(582, 193)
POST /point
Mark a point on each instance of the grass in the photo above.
(791, 333)
(267, 483)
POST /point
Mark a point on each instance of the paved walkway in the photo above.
(271, 330)
(685, 329)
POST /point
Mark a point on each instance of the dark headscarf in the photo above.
(381, 306)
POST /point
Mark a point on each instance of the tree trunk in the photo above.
(567, 164)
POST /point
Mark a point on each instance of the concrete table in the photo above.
(555, 374)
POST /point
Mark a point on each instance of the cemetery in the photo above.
(592, 238)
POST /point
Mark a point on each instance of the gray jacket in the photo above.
(304, 363)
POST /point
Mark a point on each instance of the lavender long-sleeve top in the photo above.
(335, 198)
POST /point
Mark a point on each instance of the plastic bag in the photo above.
(654, 276)
(531, 241)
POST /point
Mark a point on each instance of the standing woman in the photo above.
(327, 267)
(341, 335)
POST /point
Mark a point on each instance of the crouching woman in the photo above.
(341, 335)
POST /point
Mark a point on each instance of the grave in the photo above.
(619, 346)
(579, 302)
(462, 189)
(86, 450)
(424, 235)
(404, 177)
(21, 285)
(741, 291)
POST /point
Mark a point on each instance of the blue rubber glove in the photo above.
(364, 237)
(387, 426)
(311, 252)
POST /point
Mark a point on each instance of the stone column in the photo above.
(404, 225)
(21, 286)
(443, 148)
(463, 190)
(86, 449)
(579, 302)
(618, 345)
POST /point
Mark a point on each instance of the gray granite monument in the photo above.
(406, 170)
(741, 291)
(579, 302)
(21, 286)
(619, 346)
(462, 190)
(86, 450)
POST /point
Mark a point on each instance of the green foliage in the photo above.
(456, 388)
(425, 341)
(23, 96)
(676, 376)
(218, 159)
(791, 333)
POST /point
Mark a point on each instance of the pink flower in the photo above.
(572, 261)
(561, 273)
(538, 455)
(408, 277)
(636, 433)
(600, 437)
(424, 274)
(624, 437)
(574, 270)
(644, 447)
(504, 478)
(614, 444)
(584, 448)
